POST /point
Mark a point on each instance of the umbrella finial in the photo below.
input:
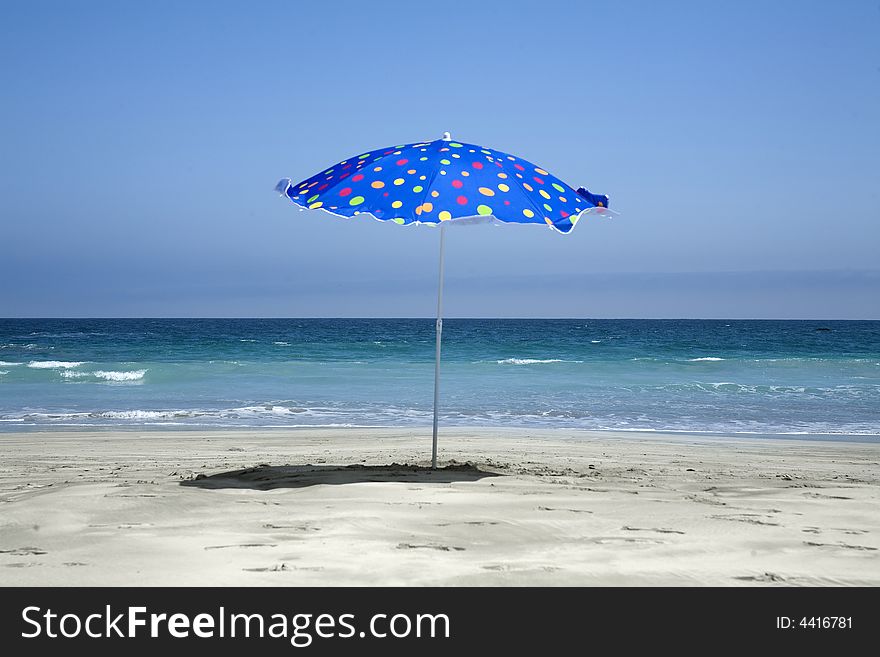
(446, 137)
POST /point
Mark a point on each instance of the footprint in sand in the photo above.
(766, 577)
(240, 545)
(822, 496)
(750, 518)
(23, 551)
(659, 530)
(429, 546)
(840, 545)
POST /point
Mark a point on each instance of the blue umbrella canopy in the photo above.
(435, 182)
(444, 180)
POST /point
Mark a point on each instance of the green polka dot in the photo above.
(357, 200)
(313, 198)
(484, 210)
(422, 159)
(418, 188)
(483, 150)
(548, 208)
(558, 188)
(398, 220)
(455, 144)
(328, 171)
(364, 156)
(447, 162)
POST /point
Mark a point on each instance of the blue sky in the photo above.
(142, 141)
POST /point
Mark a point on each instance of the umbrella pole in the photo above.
(439, 336)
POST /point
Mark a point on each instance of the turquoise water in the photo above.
(762, 377)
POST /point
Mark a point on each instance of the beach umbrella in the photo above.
(440, 182)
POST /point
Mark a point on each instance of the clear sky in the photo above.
(141, 142)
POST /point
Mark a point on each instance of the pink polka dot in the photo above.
(357, 177)
(457, 184)
(506, 202)
(540, 181)
(344, 176)
(401, 162)
(385, 194)
(563, 213)
(345, 192)
(323, 187)
(347, 166)
(461, 200)
(519, 166)
(477, 165)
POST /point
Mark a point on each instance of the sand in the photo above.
(516, 507)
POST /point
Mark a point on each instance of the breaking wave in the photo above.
(54, 364)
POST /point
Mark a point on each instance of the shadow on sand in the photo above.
(267, 477)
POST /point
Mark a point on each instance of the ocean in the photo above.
(793, 378)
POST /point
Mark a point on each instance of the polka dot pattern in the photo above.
(436, 181)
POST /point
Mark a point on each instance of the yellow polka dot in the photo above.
(503, 187)
(547, 219)
(316, 204)
(411, 171)
(543, 193)
(541, 171)
(528, 213)
(427, 207)
(377, 184)
(502, 175)
(485, 191)
(465, 173)
(528, 187)
(435, 193)
(377, 168)
(444, 215)
(399, 181)
(563, 199)
(397, 204)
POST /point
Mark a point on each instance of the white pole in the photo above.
(439, 335)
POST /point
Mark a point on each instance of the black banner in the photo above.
(432, 621)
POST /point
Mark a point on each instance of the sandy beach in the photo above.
(510, 507)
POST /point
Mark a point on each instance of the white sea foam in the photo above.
(135, 375)
(243, 340)
(595, 341)
(6, 363)
(143, 415)
(534, 361)
(2, 372)
(705, 358)
(53, 364)
(282, 344)
(262, 410)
